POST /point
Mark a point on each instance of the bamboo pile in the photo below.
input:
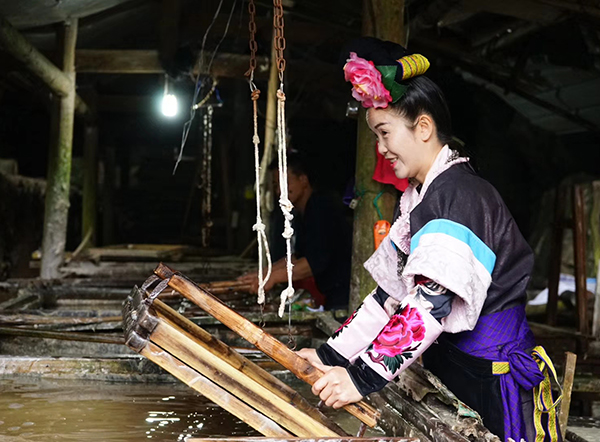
(219, 372)
(256, 336)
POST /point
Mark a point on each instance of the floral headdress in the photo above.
(378, 69)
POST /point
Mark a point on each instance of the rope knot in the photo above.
(259, 226)
(255, 94)
(280, 95)
(285, 295)
(288, 232)
(256, 139)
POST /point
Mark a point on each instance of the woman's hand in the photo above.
(335, 388)
(310, 354)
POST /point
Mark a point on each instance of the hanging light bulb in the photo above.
(169, 101)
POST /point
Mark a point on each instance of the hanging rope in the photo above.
(259, 226)
(284, 202)
(207, 177)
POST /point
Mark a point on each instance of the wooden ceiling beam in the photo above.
(12, 42)
(100, 61)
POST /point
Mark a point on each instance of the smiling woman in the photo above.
(452, 271)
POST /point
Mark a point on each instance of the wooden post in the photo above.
(579, 244)
(90, 182)
(257, 337)
(382, 19)
(569, 376)
(555, 257)
(59, 166)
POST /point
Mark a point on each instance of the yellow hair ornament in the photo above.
(413, 65)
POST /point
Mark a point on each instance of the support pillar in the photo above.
(383, 19)
(90, 184)
(59, 163)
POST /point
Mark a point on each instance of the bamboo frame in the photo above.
(242, 364)
(212, 391)
(251, 392)
(257, 337)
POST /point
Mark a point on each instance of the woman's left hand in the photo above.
(335, 388)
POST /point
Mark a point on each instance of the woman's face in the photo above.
(399, 144)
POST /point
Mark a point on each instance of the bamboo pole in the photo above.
(59, 165)
(569, 376)
(257, 337)
(17, 46)
(239, 362)
(207, 388)
(382, 19)
(254, 394)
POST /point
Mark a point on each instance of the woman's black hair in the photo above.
(423, 96)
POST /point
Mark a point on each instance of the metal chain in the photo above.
(252, 42)
(279, 39)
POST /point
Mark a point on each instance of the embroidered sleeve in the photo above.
(359, 330)
(398, 333)
(408, 333)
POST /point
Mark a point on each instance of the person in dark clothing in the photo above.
(322, 241)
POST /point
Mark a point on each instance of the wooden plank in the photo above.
(569, 376)
(180, 345)
(257, 337)
(65, 336)
(244, 365)
(212, 391)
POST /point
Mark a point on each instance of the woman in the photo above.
(452, 272)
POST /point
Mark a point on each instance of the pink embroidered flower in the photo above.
(366, 81)
(403, 330)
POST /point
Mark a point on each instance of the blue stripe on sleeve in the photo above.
(480, 250)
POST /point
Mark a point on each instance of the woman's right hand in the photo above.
(310, 354)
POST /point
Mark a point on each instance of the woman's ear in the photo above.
(425, 127)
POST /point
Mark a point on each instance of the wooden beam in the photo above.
(382, 19)
(59, 83)
(59, 164)
(101, 61)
